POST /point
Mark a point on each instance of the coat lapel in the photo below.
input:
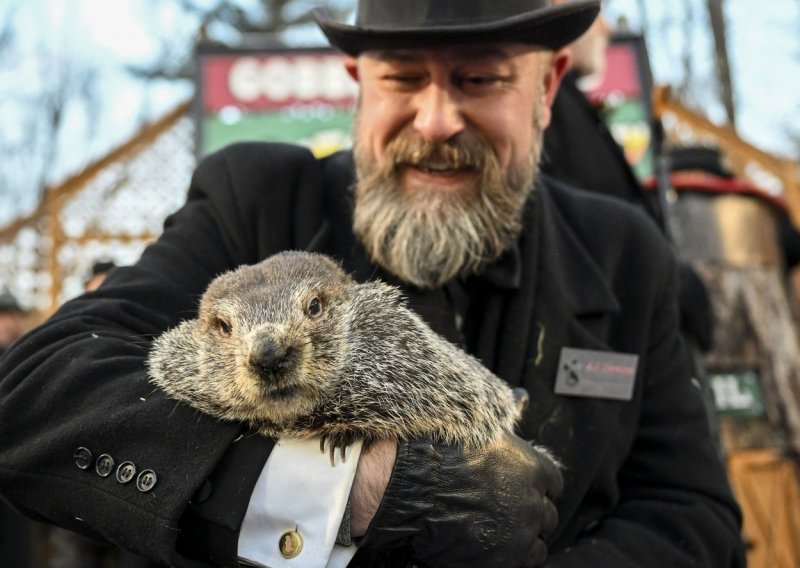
(572, 306)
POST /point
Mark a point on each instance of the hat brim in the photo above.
(551, 27)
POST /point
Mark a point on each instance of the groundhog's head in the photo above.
(269, 337)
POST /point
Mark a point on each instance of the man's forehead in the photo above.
(467, 52)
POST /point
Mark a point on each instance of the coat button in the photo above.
(290, 544)
(125, 472)
(146, 480)
(104, 466)
(83, 457)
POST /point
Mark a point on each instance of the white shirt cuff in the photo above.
(299, 491)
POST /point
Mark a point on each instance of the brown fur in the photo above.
(364, 367)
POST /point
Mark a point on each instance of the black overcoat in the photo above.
(580, 150)
(644, 485)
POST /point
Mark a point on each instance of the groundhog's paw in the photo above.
(521, 400)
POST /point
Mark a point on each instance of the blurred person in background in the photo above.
(579, 149)
(13, 320)
(100, 270)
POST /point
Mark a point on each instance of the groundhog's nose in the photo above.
(268, 357)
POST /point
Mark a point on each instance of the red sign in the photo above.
(622, 76)
(275, 81)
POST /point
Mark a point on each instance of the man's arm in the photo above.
(75, 390)
(372, 477)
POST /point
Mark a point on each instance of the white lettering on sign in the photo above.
(279, 79)
(243, 81)
(276, 79)
(729, 395)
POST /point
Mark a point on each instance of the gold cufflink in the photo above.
(290, 544)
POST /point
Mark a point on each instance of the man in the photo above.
(578, 147)
(440, 197)
(99, 272)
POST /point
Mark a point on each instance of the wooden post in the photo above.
(731, 240)
(716, 15)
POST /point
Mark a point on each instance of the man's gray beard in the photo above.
(428, 237)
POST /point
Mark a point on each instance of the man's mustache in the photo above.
(459, 153)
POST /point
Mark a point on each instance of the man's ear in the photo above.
(557, 67)
(351, 66)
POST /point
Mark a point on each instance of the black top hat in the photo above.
(392, 24)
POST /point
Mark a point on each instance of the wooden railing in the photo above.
(47, 221)
(777, 176)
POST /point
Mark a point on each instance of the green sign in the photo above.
(737, 394)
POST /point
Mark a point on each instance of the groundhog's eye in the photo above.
(314, 308)
(223, 326)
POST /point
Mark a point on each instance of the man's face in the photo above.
(589, 51)
(11, 327)
(447, 142)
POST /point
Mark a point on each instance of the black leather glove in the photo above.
(450, 507)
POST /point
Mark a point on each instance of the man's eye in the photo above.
(479, 84)
(481, 79)
(402, 81)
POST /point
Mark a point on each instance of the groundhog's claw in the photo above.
(340, 441)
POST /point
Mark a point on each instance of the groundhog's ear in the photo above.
(336, 269)
(195, 327)
(203, 321)
(205, 306)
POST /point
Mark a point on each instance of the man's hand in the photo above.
(454, 507)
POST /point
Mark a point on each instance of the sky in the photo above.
(765, 40)
(764, 51)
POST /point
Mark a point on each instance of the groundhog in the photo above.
(297, 348)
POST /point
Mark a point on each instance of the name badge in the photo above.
(596, 374)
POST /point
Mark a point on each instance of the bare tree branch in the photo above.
(716, 16)
(687, 25)
(7, 31)
(273, 17)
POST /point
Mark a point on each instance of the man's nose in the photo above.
(438, 113)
